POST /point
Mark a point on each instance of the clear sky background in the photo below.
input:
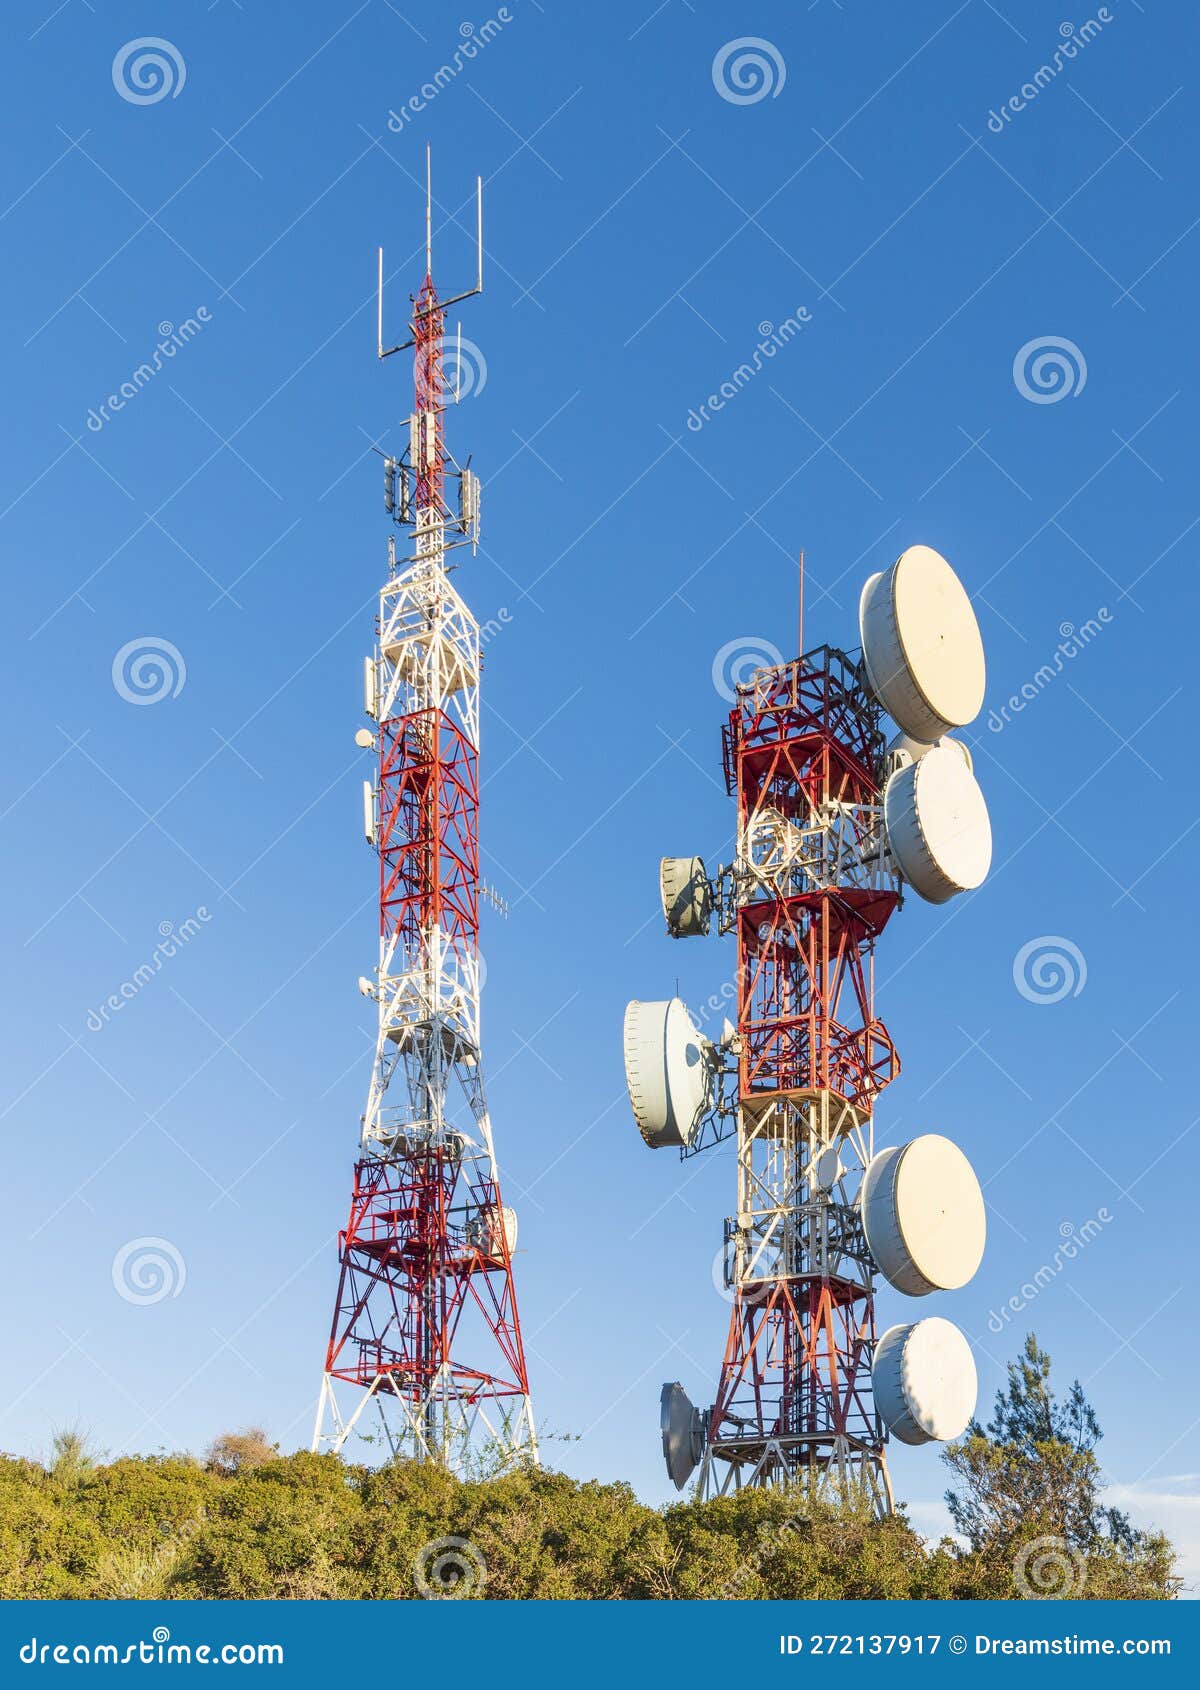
(641, 229)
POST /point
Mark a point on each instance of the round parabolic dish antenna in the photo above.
(921, 645)
(925, 1381)
(937, 824)
(686, 896)
(923, 1215)
(669, 1070)
(682, 1434)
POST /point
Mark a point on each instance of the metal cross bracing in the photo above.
(808, 893)
(425, 1344)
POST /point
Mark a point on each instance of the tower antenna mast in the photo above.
(425, 1338)
(832, 822)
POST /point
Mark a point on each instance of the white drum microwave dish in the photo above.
(938, 830)
(921, 645)
(669, 1070)
(925, 1382)
(923, 1214)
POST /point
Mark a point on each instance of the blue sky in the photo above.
(644, 233)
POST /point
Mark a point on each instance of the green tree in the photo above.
(1028, 1499)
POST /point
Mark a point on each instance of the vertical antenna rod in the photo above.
(800, 624)
(428, 211)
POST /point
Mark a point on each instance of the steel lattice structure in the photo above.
(425, 1328)
(810, 890)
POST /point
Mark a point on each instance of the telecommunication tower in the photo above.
(425, 1329)
(832, 823)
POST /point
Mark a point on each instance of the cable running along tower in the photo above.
(425, 1345)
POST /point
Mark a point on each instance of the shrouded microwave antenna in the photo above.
(670, 1070)
(923, 1214)
(686, 896)
(683, 1428)
(937, 825)
(925, 1381)
(921, 645)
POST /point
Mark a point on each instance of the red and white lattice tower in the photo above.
(808, 893)
(830, 822)
(425, 1329)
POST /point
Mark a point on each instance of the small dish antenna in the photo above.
(494, 1232)
(827, 1168)
(686, 896)
(921, 645)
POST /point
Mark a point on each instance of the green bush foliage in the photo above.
(251, 1523)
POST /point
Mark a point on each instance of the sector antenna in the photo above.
(836, 820)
